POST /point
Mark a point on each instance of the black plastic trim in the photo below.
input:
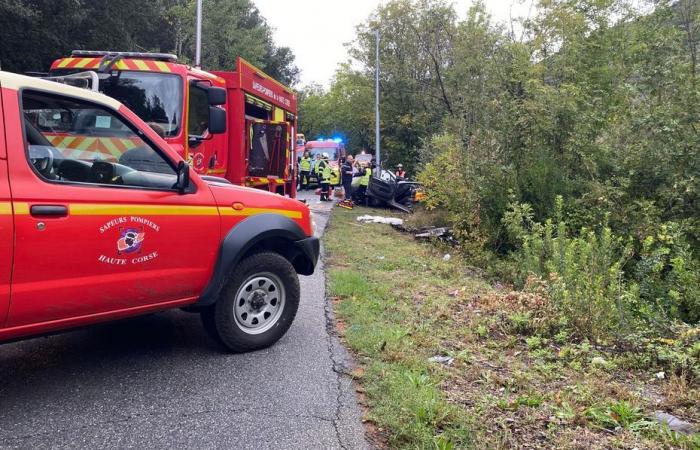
(301, 250)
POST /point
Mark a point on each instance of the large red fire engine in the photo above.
(251, 147)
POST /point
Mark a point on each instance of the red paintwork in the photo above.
(226, 154)
(6, 227)
(57, 280)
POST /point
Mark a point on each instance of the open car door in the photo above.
(382, 185)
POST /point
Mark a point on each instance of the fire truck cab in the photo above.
(236, 125)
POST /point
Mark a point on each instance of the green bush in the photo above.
(584, 272)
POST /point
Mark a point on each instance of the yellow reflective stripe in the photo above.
(82, 63)
(97, 209)
(140, 64)
(121, 65)
(21, 208)
(67, 140)
(110, 147)
(254, 211)
(64, 62)
(88, 209)
(162, 66)
(86, 143)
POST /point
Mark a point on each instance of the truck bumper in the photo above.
(309, 249)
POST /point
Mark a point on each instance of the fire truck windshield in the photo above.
(155, 97)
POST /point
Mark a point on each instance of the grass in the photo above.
(399, 303)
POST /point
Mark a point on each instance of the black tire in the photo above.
(224, 320)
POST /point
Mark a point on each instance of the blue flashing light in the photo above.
(337, 140)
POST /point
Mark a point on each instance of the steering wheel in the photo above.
(42, 159)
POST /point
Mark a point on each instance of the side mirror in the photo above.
(216, 96)
(217, 120)
(183, 177)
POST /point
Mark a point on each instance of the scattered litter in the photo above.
(447, 257)
(380, 219)
(674, 423)
(446, 360)
(380, 258)
(661, 375)
(599, 362)
(432, 232)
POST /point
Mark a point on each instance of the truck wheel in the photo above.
(257, 305)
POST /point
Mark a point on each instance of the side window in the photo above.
(198, 117)
(73, 141)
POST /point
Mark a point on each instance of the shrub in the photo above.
(584, 272)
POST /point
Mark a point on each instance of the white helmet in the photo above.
(325, 155)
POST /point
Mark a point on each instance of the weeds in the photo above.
(523, 372)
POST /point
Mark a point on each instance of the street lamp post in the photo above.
(376, 109)
(198, 37)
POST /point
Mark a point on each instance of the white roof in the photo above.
(9, 80)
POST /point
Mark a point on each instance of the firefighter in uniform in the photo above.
(361, 194)
(305, 170)
(323, 169)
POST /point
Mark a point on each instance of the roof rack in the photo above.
(86, 80)
(167, 57)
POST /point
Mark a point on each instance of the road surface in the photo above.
(159, 382)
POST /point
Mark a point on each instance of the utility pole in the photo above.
(198, 37)
(376, 110)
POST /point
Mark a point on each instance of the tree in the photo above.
(36, 32)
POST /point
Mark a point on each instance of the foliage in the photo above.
(36, 32)
(594, 102)
(520, 375)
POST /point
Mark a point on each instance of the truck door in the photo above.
(6, 224)
(207, 152)
(99, 227)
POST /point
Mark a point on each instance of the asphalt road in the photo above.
(159, 382)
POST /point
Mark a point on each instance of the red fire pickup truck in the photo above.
(87, 237)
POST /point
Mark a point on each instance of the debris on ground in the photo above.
(380, 219)
(674, 423)
(447, 257)
(599, 362)
(431, 233)
(446, 360)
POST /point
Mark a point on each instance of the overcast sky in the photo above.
(317, 29)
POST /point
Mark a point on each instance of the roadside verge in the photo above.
(449, 361)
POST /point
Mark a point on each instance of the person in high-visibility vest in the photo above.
(323, 169)
(305, 170)
(400, 173)
(360, 194)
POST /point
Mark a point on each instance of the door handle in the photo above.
(49, 210)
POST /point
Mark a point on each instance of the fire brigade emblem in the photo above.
(130, 240)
